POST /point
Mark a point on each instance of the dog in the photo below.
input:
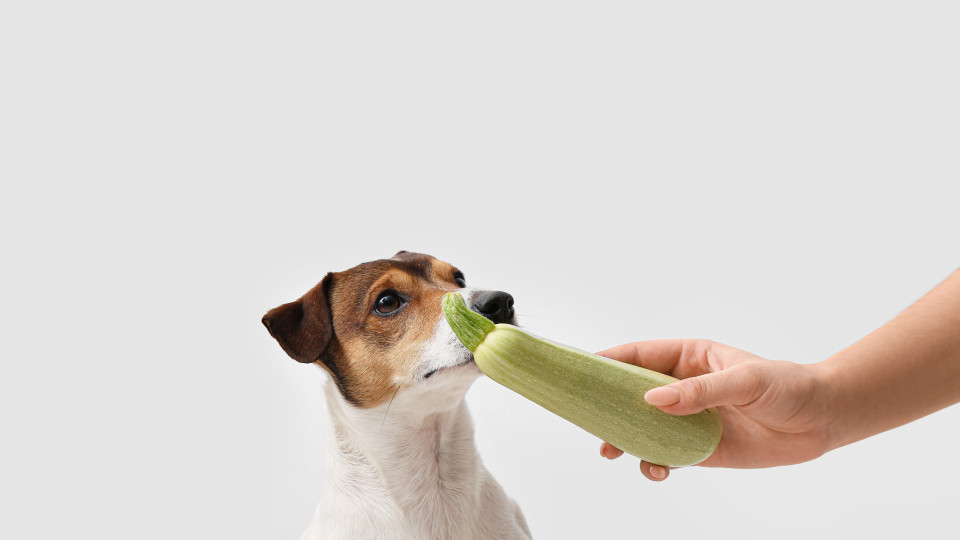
(401, 459)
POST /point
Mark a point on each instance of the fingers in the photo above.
(659, 355)
(610, 451)
(737, 385)
(657, 473)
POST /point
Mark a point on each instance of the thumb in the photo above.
(737, 385)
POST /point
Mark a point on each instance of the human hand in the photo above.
(773, 412)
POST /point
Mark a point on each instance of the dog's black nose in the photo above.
(494, 305)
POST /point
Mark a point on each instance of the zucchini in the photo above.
(602, 396)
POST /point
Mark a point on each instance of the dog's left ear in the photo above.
(304, 327)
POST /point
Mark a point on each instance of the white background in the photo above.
(781, 178)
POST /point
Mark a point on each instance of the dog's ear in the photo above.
(304, 327)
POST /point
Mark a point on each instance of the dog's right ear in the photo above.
(304, 327)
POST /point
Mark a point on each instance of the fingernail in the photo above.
(662, 396)
(658, 472)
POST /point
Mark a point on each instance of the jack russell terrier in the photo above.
(401, 459)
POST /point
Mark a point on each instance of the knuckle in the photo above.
(695, 390)
(752, 378)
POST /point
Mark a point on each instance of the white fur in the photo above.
(409, 469)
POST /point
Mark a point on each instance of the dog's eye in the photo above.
(461, 281)
(387, 303)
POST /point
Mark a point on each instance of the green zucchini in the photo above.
(602, 396)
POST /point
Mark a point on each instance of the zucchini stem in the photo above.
(469, 326)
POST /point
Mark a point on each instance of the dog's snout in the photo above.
(494, 305)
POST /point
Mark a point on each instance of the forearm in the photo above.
(906, 369)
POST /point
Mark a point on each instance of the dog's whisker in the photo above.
(387, 392)
(388, 406)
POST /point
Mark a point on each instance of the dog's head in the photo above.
(379, 329)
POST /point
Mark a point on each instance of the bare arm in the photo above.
(906, 369)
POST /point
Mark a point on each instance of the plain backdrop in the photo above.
(781, 177)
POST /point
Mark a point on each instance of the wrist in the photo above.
(835, 404)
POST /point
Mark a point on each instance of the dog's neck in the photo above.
(406, 447)
(417, 452)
